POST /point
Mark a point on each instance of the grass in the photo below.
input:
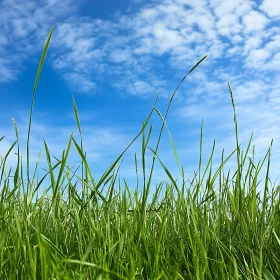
(75, 230)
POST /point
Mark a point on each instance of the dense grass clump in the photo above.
(82, 232)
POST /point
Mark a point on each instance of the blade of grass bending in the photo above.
(254, 194)
(51, 244)
(247, 150)
(220, 167)
(88, 169)
(220, 176)
(143, 157)
(208, 186)
(113, 165)
(258, 169)
(184, 182)
(77, 115)
(239, 170)
(33, 99)
(153, 163)
(127, 189)
(106, 182)
(3, 163)
(200, 152)
(276, 236)
(113, 183)
(51, 175)
(43, 178)
(95, 266)
(18, 173)
(144, 146)
(159, 242)
(136, 170)
(235, 173)
(54, 184)
(207, 166)
(49, 164)
(265, 192)
(63, 163)
(166, 171)
(149, 135)
(172, 142)
(16, 176)
(244, 159)
(31, 193)
(155, 199)
(93, 190)
(80, 131)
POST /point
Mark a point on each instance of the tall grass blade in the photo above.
(159, 138)
(33, 99)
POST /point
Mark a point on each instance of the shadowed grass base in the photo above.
(189, 233)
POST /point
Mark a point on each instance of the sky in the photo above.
(114, 57)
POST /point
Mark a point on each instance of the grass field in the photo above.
(74, 230)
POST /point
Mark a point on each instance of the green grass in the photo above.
(76, 230)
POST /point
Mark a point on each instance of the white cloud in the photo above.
(234, 52)
(229, 24)
(80, 82)
(249, 91)
(253, 42)
(273, 64)
(256, 58)
(25, 25)
(84, 50)
(254, 21)
(120, 55)
(271, 7)
(274, 92)
(244, 7)
(225, 7)
(207, 25)
(165, 38)
(274, 44)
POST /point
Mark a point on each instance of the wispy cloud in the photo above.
(24, 26)
(86, 51)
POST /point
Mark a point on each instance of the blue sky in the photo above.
(114, 56)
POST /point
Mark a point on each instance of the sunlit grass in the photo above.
(82, 232)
